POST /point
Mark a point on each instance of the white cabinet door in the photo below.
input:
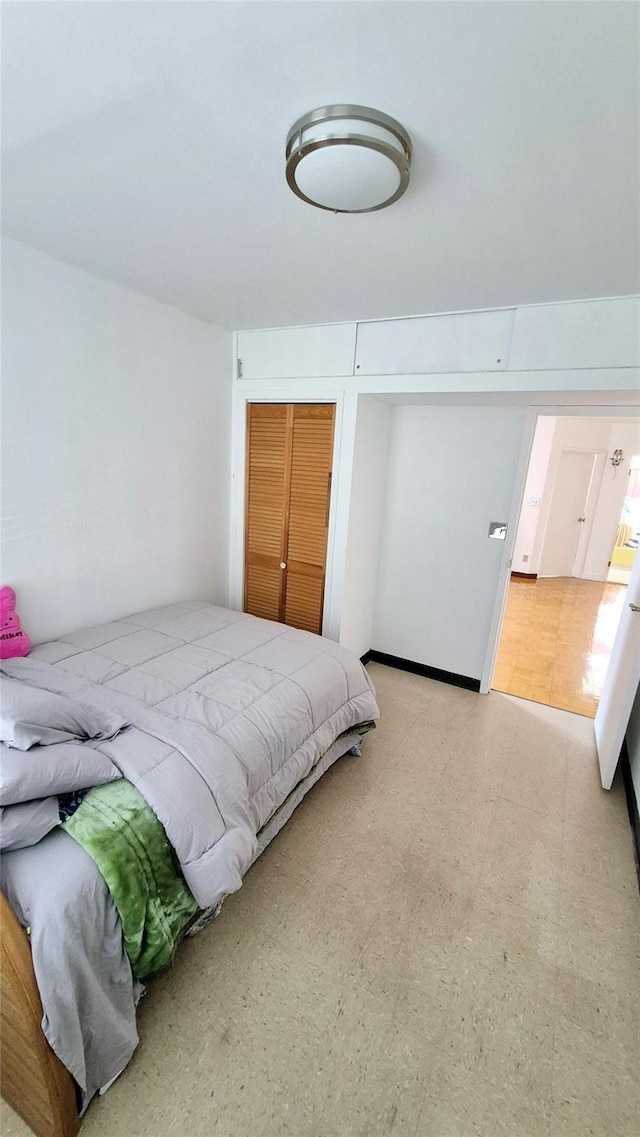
(469, 341)
(291, 353)
(593, 333)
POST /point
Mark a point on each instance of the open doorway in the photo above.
(564, 601)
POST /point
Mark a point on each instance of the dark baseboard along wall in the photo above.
(437, 673)
(632, 803)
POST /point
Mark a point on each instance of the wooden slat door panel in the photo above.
(263, 589)
(288, 489)
(304, 600)
(267, 491)
(311, 460)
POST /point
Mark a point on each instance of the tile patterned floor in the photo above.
(556, 641)
(444, 941)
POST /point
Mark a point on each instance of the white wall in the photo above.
(581, 434)
(523, 558)
(626, 437)
(366, 510)
(115, 448)
(570, 434)
(452, 470)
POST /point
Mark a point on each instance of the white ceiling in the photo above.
(144, 142)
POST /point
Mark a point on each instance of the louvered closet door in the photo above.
(288, 486)
(267, 490)
(311, 459)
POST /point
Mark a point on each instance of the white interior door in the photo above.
(565, 533)
(621, 683)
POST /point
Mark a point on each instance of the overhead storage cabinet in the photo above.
(590, 334)
(469, 341)
(301, 353)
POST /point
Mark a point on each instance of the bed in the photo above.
(223, 722)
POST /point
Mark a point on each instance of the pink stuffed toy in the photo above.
(13, 641)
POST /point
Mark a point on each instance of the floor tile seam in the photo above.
(423, 1102)
(623, 861)
(549, 1111)
(586, 921)
(497, 1082)
(399, 739)
(556, 1012)
(500, 786)
(484, 845)
(531, 913)
(483, 860)
(349, 968)
(370, 925)
(616, 838)
(564, 795)
(609, 915)
(465, 922)
(600, 1032)
(414, 721)
(434, 1042)
(514, 800)
(505, 799)
(494, 970)
(542, 840)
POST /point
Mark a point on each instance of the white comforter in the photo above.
(229, 713)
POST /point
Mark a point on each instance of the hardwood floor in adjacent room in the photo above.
(556, 641)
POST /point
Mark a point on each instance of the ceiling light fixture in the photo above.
(348, 159)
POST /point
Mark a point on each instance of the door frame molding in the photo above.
(599, 410)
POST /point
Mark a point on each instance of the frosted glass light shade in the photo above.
(348, 159)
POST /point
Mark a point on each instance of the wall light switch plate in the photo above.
(534, 501)
(498, 530)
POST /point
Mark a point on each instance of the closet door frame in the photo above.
(343, 435)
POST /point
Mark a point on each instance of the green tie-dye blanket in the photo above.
(121, 833)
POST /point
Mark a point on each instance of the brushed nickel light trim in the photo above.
(307, 137)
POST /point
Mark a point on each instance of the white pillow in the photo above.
(26, 824)
(30, 716)
(56, 769)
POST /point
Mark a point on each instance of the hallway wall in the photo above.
(553, 434)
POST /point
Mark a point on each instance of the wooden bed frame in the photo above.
(32, 1079)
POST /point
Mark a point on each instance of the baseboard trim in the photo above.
(525, 575)
(632, 804)
(366, 658)
(450, 677)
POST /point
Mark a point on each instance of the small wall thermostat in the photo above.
(498, 530)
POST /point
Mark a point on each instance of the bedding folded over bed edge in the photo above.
(121, 833)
